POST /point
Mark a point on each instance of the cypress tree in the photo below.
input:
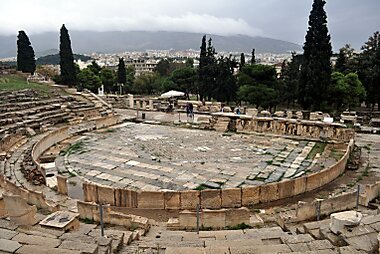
(253, 58)
(202, 72)
(121, 72)
(66, 62)
(25, 54)
(316, 67)
(242, 60)
(211, 70)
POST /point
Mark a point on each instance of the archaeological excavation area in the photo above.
(250, 184)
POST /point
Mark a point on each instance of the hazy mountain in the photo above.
(54, 59)
(85, 42)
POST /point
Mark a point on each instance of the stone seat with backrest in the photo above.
(18, 210)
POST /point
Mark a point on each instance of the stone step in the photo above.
(84, 248)
(28, 249)
(9, 246)
(37, 240)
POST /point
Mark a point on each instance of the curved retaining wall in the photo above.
(215, 199)
(63, 133)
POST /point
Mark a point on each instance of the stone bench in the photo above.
(19, 211)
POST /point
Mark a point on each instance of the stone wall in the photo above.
(370, 192)
(215, 199)
(58, 135)
(90, 211)
(9, 140)
(216, 219)
(342, 202)
(281, 126)
(32, 197)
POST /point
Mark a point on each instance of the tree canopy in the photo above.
(121, 72)
(257, 85)
(68, 69)
(369, 69)
(316, 66)
(26, 61)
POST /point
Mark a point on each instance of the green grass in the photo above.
(336, 154)
(239, 226)
(87, 221)
(15, 83)
(317, 148)
(77, 147)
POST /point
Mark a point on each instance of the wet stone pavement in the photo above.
(154, 157)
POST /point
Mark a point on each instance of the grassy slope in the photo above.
(14, 83)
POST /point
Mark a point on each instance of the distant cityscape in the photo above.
(146, 61)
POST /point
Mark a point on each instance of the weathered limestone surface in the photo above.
(62, 185)
(285, 189)
(187, 219)
(214, 218)
(7, 234)
(19, 211)
(268, 192)
(231, 197)
(125, 198)
(190, 199)
(106, 195)
(37, 240)
(340, 220)
(9, 246)
(90, 192)
(237, 216)
(28, 249)
(78, 246)
(211, 199)
(151, 199)
(250, 196)
(172, 200)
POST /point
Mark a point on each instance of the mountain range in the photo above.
(85, 42)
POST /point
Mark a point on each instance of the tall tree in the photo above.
(121, 74)
(211, 70)
(346, 91)
(316, 67)
(226, 86)
(108, 79)
(130, 70)
(369, 69)
(66, 62)
(88, 80)
(242, 61)
(202, 72)
(26, 61)
(163, 67)
(253, 57)
(344, 60)
(257, 85)
(184, 79)
(289, 80)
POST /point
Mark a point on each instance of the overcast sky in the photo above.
(350, 21)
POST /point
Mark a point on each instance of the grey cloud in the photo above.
(350, 21)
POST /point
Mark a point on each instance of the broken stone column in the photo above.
(62, 185)
(144, 105)
(151, 105)
(19, 211)
(344, 219)
(131, 101)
